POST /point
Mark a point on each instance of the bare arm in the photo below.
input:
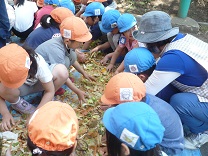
(79, 68)
(115, 55)
(101, 47)
(7, 119)
(86, 45)
(49, 91)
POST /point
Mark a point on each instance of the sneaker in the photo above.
(194, 141)
(24, 107)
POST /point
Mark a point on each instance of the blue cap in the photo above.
(67, 4)
(126, 22)
(138, 60)
(135, 124)
(94, 9)
(109, 20)
(52, 2)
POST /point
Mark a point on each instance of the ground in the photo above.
(198, 8)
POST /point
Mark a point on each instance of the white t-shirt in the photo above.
(11, 14)
(25, 15)
(43, 74)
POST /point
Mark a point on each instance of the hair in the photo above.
(32, 147)
(156, 45)
(34, 66)
(114, 147)
(93, 17)
(149, 71)
(20, 2)
(47, 21)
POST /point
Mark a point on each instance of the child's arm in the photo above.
(101, 47)
(81, 95)
(116, 53)
(106, 58)
(120, 68)
(79, 68)
(7, 119)
(87, 44)
(49, 91)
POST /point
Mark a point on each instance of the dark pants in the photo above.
(4, 24)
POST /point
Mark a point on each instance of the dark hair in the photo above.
(32, 147)
(154, 47)
(114, 147)
(20, 2)
(93, 17)
(47, 21)
(34, 66)
(149, 71)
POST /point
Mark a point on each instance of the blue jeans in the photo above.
(192, 112)
(4, 24)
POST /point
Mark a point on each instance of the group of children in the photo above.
(159, 86)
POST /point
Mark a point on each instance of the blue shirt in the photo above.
(95, 31)
(192, 73)
(173, 139)
(40, 35)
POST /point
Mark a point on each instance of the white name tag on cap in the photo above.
(133, 68)
(67, 33)
(126, 94)
(97, 11)
(129, 137)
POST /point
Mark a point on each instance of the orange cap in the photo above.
(54, 126)
(123, 87)
(40, 3)
(75, 28)
(60, 13)
(89, 1)
(14, 65)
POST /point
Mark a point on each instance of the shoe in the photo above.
(24, 107)
(60, 91)
(194, 141)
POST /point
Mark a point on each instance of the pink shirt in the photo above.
(44, 10)
(124, 42)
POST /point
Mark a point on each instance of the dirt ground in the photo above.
(198, 8)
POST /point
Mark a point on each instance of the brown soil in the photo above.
(198, 9)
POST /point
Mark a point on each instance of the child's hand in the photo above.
(96, 49)
(91, 78)
(109, 67)
(7, 122)
(81, 95)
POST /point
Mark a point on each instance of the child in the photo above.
(93, 14)
(59, 50)
(133, 129)
(126, 25)
(108, 25)
(127, 87)
(49, 27)
(182, 63)
(57, 133)
(48, 6)
(41, 77)
(141, 62)
(24, 18)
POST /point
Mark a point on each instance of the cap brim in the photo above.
(102, 29)
(106, 101)
(86, 37)
(146, 37)
(14, 85)
(107, 117)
